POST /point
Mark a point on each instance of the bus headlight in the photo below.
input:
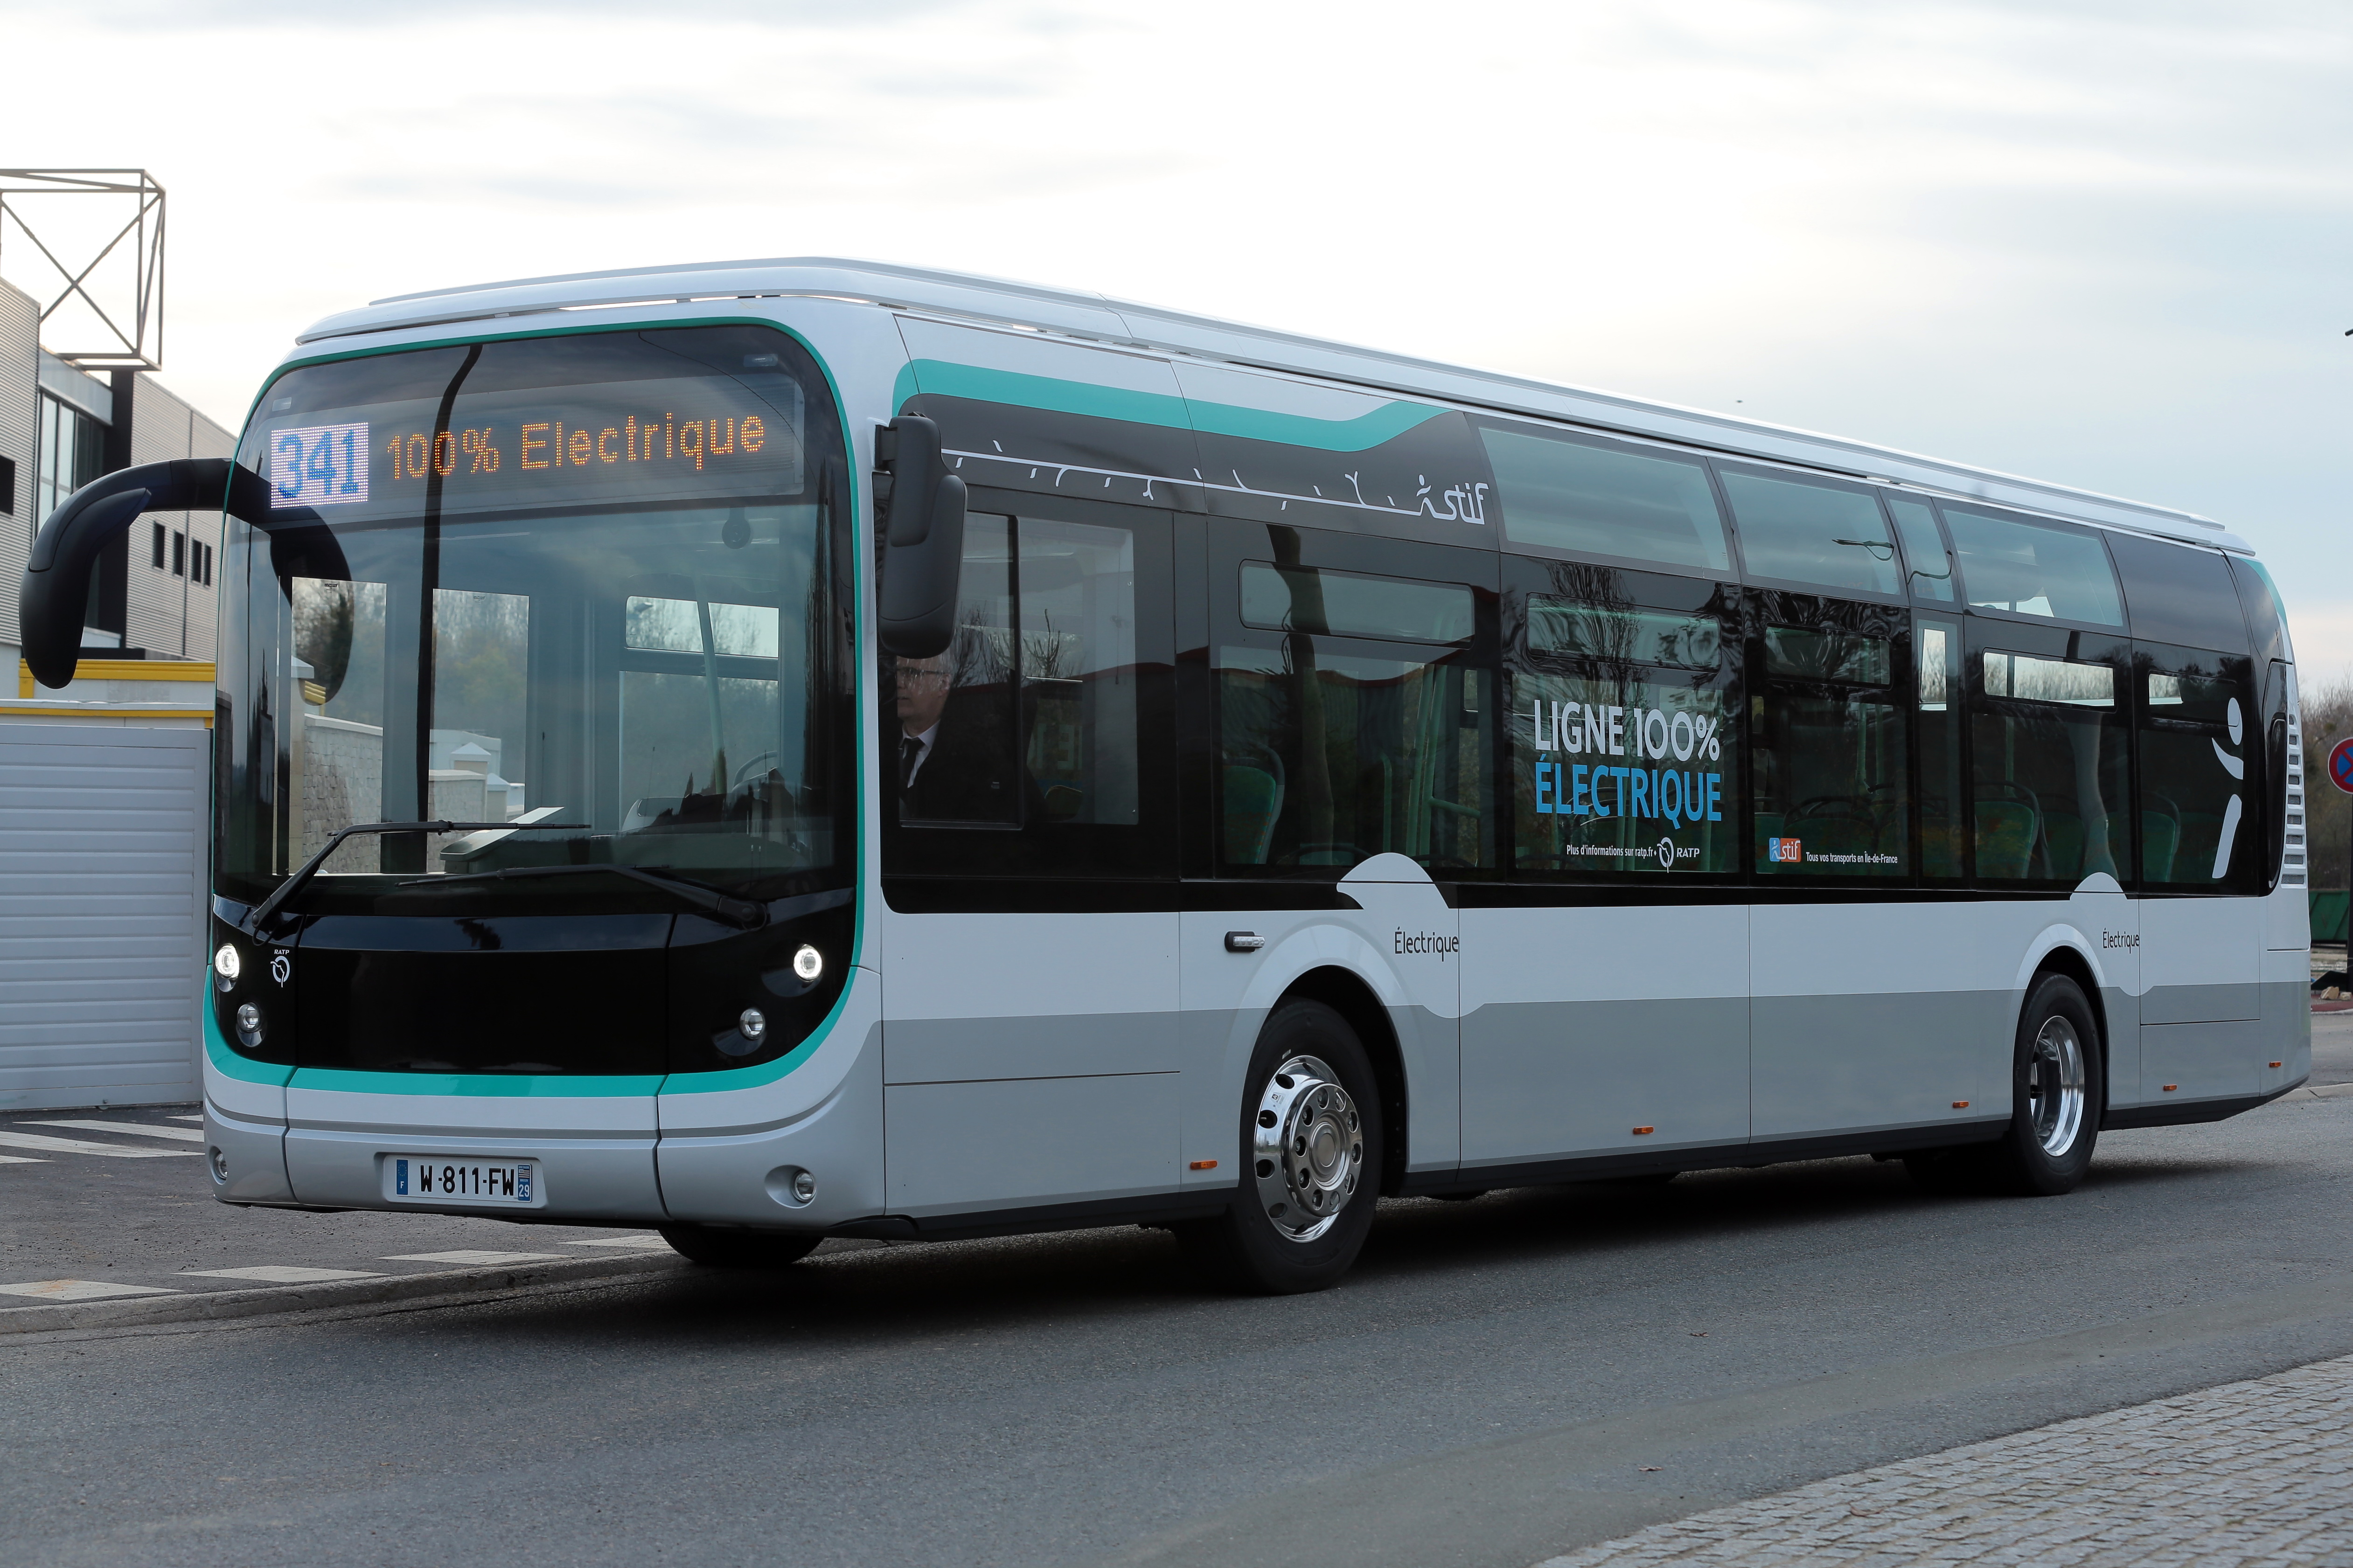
(249, 1024)
(228, 965)
(753, 1024)
(809, 962)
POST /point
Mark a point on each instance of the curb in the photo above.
(450, 1287)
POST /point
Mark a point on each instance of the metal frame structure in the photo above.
(131, 349)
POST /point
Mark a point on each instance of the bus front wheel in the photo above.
(725, 1246)
(1311, 1151)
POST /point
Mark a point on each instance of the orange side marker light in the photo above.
(2277, 1064)
(2171, 1087)
(1960, 1105)
(1205, 1164)
(1644, 1131)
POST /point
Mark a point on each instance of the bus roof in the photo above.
(1098, 318)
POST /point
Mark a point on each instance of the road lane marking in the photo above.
(187, 1118)
(80, 1290)
(280, 1274)
(644, 1243)
(76, 1146)
(144, 1129)
(21, 1160)
(479, 1259)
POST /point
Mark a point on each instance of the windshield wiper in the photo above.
(293, 884)
(743, 913)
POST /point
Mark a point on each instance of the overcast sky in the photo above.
(2107, 244)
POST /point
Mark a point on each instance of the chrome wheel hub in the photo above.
(1307, 1148)
(2054, 1086)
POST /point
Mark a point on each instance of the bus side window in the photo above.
(1029, 747)
(2197, 726)
(1353, 712)
(2197, 733)
(2048, 764)
(1827, 737)
(1937, 665)
(1624, 705)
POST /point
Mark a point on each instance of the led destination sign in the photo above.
(662, 440)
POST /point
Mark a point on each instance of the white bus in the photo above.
(789, 749)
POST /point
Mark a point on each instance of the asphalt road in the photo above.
(1499, 1380)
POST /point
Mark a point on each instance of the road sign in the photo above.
(2340, 764)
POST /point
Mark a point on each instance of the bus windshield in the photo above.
(588, 581)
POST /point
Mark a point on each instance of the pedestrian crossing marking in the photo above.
(47, 1145)
(80, 1290)
(280, 1274)
(471, 1256)
(144, 1129)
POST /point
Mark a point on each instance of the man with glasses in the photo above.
(953, 760)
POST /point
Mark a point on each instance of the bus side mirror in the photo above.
(922, 553)
(54, 592)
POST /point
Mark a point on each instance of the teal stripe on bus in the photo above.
(981, 385)
(485, 1086)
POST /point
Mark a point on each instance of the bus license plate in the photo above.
(450, 1179)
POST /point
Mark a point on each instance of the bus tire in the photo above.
(2054, 1119)
(1310, 1142)
(2055, 1095)
(730, 1247)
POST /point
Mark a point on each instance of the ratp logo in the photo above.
(281, 969)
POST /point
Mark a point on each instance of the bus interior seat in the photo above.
(2010, 826)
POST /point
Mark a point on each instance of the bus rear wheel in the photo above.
(2055, 1096)
(1311, 1148)
(2055, 1100)
(727, 1247)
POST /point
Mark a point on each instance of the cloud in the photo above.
(187, 15)
(2102, 241)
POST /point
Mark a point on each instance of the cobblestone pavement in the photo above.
(2257, 1472)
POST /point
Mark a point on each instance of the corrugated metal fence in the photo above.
(102, 912)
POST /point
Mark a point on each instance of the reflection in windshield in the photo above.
(639, 672)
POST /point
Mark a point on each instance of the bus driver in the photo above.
(953, 758)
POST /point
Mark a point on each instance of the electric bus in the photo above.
(779, 750)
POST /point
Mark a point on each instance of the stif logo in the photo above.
(1785, 849)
